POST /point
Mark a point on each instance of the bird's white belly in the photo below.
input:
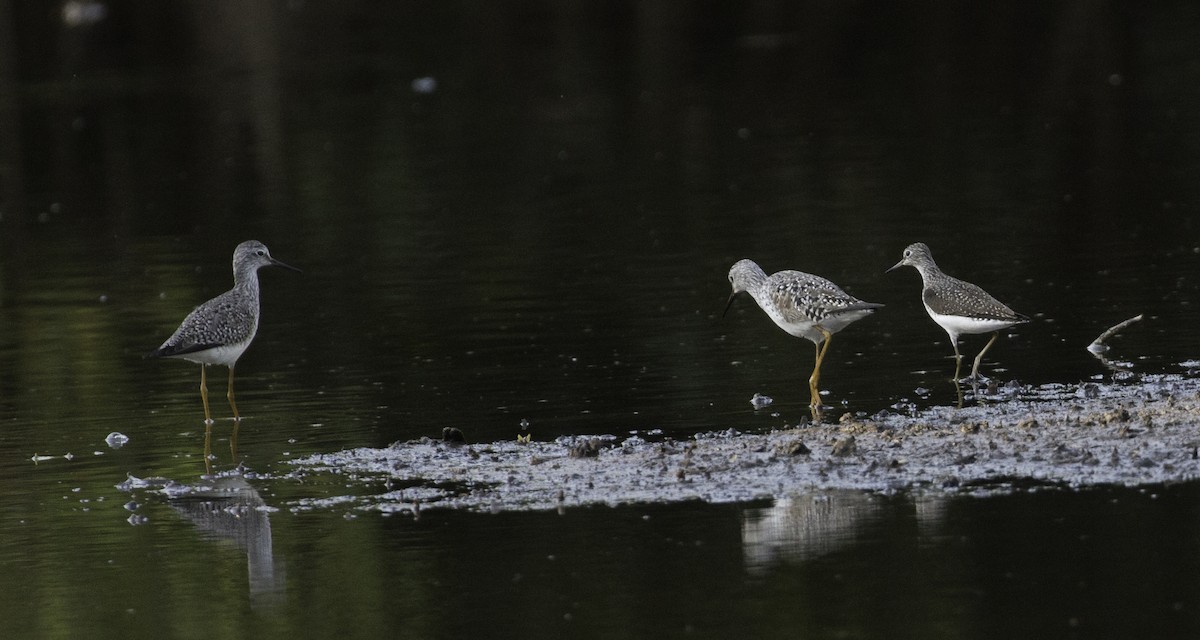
(958, 325)
(806, 330)
(225, 355)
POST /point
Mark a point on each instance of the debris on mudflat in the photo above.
(795, 448)
(1060, 435)
(586, 448)
(845, 447)
(116, 440)
(1097, 346)
(760, 401)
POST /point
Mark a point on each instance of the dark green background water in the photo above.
(545, 236)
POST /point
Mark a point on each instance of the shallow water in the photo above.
(544, 239)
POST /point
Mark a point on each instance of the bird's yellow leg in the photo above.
(232, 405)
(204, 394)
(237, 419)
(816, 374)
(979, 358)
(957, 361)
(812, 379)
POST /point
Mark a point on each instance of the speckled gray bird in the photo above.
(218, 331)
(958, 307)
(804, 305)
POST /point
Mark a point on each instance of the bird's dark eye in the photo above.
(261, 252)
(908, 254)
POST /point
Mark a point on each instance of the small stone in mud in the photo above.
(967, 459)
(1117, 415)
(1027, 423)
(453, 435)
(795, 448)
(589, 448)
(1063, 453)
(845, 447)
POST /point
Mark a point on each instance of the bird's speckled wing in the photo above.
(226, 319)
(804, 297)
(953, 297)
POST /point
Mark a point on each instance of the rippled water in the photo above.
(544, 239)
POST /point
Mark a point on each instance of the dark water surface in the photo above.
(541, 232)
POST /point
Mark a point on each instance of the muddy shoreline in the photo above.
(1130, 434)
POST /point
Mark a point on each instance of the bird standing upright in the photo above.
(218, 331)
(804, 305)
(958, 307)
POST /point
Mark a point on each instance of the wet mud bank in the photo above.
(1060, 435)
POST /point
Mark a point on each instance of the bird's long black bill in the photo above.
(277, 263)
(728, 304)
(895, 266)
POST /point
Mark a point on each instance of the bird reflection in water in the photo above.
(808, 526)
(228, 508)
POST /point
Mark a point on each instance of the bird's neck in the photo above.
(246, 279)
(753, 279)
(929, 272)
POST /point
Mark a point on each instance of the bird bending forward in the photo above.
(804, 305)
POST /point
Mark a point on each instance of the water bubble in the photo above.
(425, 85)
(116, 440)
(83, 13)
